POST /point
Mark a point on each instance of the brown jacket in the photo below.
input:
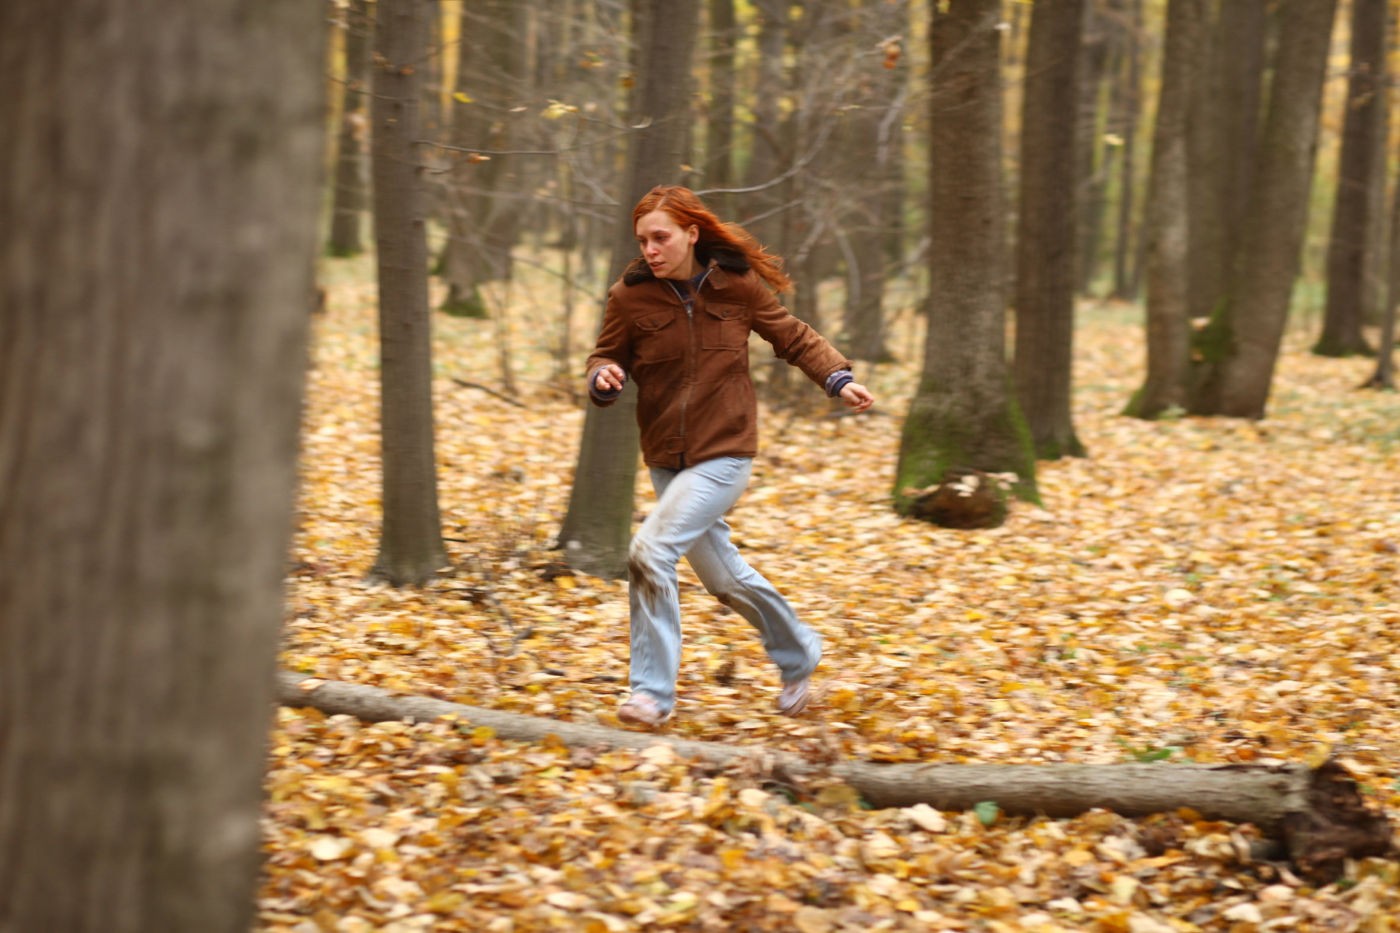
(695, 399)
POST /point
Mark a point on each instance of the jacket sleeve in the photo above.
(613, 346)
(792, 339)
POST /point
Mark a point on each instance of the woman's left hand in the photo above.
(857, 396)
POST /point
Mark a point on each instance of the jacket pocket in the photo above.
(658, 340)
(724, 327)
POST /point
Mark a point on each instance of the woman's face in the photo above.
(667, 248)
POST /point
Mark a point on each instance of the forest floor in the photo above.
(1196, 589)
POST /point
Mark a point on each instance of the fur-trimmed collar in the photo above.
(638, 271)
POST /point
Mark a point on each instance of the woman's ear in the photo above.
(692, 233)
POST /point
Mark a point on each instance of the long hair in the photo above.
(685, 208)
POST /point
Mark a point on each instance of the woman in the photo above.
(678, 323)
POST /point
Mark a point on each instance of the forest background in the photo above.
(1194, 569)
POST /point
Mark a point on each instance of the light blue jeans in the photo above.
(688, 521)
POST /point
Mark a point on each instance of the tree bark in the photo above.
(1125, 106)
(719, 122)
(1353, 226)
(1235, 354)
(161, 183)
(597, 527)
(871, 138)
(964, 414)
(1167, 224)
(487, 195)
(1314, 811)
(1223, 141)
(410, 545)
(350, 190)
(1090, 152)
(1384, 375)
(1046, 238)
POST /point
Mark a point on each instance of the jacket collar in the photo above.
(720, 260)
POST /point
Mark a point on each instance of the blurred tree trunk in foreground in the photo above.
(1360, 172)
(410, 543)
(964, 415)
(598, 525)
(350, 189)
(161, 189)
(1166, 223)
(1235, 354)
(1046, 239)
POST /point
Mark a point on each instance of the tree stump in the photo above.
(965, 499)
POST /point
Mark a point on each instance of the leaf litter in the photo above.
(1196, 589)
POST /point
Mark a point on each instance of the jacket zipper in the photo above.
(691, 356)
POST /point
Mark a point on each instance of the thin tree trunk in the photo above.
(351, 186)
(161, 185)
(719, 136)
(766, 141)
(410, 545)
(1357, 178)
(869, 152)
(598, 524)
(1318, 814)
(1238, 350)
(1090, 191)
(1045, 241)
(1127, 97)
(1384, 375)
(964, 414)
(1167, 224)
(487, 195)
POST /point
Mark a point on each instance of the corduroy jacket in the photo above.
(691, 364)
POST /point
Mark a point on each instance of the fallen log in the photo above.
(1316, 814)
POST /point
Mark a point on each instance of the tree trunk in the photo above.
(719, 123)
(1089, 151)
(1357, 178)
(1167, 224)
(598, 524)
(872, 121)
(964, 414)
(161, 190)
(1126, 104)
(766, 156)
(1384, 375)
(350, 193)
(487, 193)
(1045, 240)
(1317, 813)
(410, 545)
(1234, 356)
(1223, 141)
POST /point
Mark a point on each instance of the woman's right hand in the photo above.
(609, 378)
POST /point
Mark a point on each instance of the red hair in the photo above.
(686, 209)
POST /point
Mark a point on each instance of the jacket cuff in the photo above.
(838, 381)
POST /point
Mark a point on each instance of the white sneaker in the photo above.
(641, 710)
(793, 700)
